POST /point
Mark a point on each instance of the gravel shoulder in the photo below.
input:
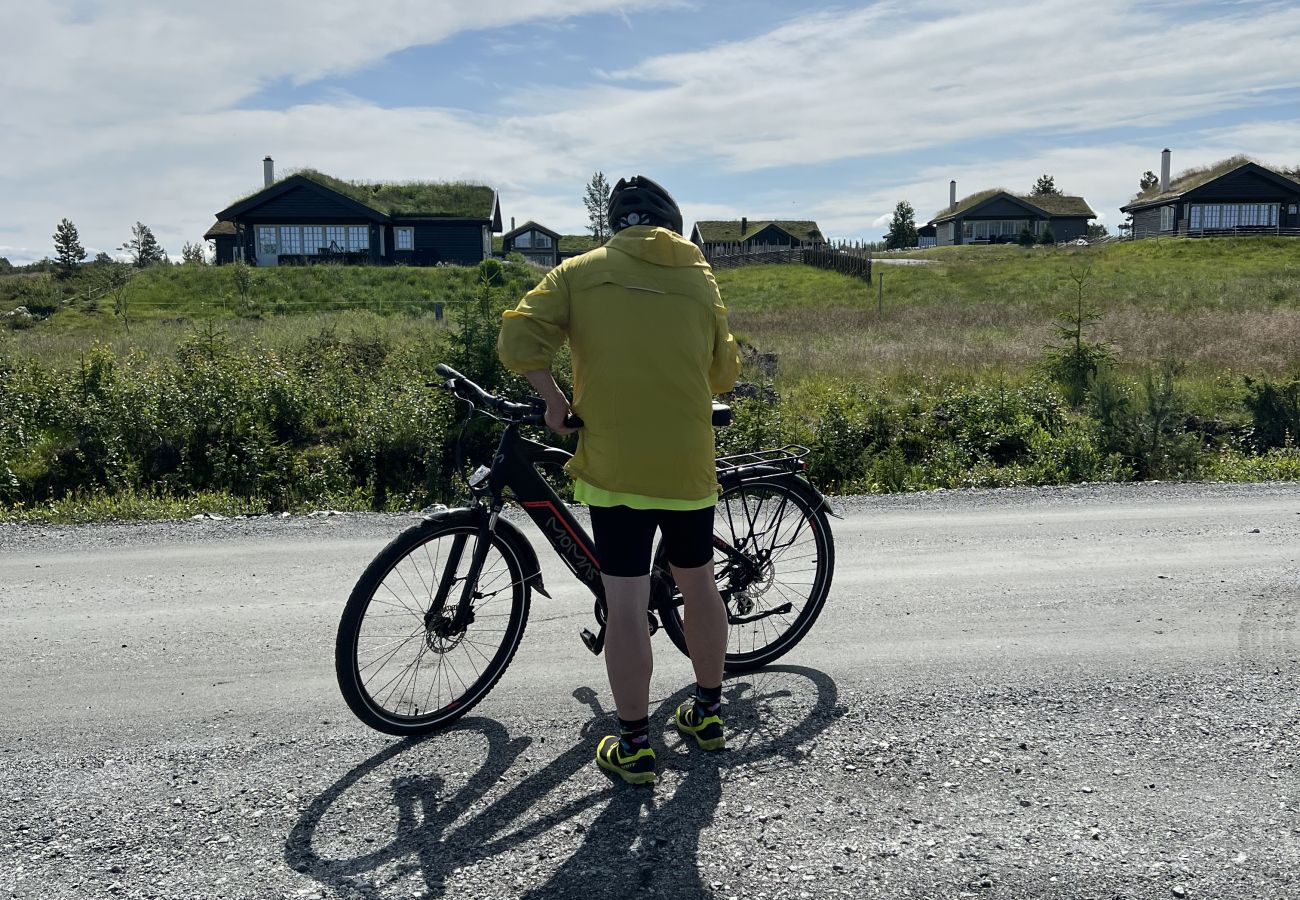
(1065, 692)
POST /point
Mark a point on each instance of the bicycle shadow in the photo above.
(642, 839)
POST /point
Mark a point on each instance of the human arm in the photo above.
(725, 367)
(531, 333)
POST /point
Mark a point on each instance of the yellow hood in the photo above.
(657, 245)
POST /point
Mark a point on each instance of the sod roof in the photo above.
(1193, 178)
(721, 232)
(1051, 204)
(434, 199)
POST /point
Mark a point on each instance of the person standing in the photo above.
(650, 345)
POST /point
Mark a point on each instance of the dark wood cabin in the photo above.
(310, 217)
(740, 234)
(1233, 196)
(998, 216)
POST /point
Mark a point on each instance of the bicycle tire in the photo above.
(349, 666)
(776, 641)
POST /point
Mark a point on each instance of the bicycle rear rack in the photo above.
(790, 457)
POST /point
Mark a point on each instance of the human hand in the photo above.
(557, 410)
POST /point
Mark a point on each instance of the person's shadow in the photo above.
(644, 840)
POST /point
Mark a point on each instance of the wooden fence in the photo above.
(846, 257)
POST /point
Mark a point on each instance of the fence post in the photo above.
(880, 294)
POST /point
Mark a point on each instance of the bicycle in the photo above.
(424, 595)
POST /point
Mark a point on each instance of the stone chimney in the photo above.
(512, 223)
(1164, 171)
(268, 171)
(744, 225)
(952, 194)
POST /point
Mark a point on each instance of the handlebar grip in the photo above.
(447, 371)
(572, 421)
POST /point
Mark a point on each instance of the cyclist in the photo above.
(650, 347)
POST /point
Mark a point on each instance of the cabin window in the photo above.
(992, 229)
(336, 238)
(358, 238)
(524, 240)
(312, 235)
(1233, 215)
(266, 241)
(290, 239)
(541, 241)
(1166, 218)
(404, 238)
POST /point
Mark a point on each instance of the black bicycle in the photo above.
(436, 617)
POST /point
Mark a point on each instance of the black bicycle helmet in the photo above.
(639, 201)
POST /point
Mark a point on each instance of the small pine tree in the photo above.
(902, 227)
(1045, 184)
(1026, 237)
(193, 255)
(596, 200)
(1096, 230)
(1047, 237)
(1149, 180)
(67, 248)
(143, 247)
(101, 259)
(5, 264)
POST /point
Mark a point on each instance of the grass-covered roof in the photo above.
(1052, 204)
(453, 199)
(730, 232)
(1191, 179)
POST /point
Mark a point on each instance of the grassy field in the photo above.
(1217, 306)
(244, 390)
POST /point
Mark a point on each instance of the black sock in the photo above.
(635, 735)
(708, 700)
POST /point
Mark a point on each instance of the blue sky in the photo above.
(147, 111)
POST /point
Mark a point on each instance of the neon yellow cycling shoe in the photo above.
(634, 768)
(706, 728)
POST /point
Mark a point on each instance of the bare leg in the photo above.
(628, 659)
(706, 622)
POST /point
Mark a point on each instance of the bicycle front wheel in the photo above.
(773, 559)
(405, 664)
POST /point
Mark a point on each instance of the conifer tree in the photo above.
(67, 248)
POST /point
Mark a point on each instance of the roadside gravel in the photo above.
(902, 751)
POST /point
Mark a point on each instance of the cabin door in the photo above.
(268, 246)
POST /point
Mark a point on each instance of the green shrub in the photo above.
(1275, 414)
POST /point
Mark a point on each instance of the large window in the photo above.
(336, 238)
(312, 238)
(358, 238)
(524, 240)
(403, 238)
(992, 229)
(266, 240)
(541, 241)
(1232, 215)
(1166, 218)
(290, 239)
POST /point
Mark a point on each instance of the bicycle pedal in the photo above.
(595, 642)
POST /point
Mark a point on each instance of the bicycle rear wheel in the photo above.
(773, 559)
(404, 665)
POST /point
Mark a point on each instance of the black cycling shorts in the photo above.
(624, 537)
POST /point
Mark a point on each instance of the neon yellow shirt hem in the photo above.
(591, 495)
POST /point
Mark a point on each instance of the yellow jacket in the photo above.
(650, 344)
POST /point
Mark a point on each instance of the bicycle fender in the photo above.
(511, 534)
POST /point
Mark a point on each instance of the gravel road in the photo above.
(1084, 692)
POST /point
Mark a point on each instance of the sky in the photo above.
(112, 113)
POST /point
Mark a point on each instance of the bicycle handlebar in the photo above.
(524, 413)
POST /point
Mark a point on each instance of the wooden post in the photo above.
(880, 295)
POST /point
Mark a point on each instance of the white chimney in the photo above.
(268, 171)
(952, 194)
(1164, 171)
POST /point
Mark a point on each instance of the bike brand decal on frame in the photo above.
(584, 562)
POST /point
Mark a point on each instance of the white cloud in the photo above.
(132, 110)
